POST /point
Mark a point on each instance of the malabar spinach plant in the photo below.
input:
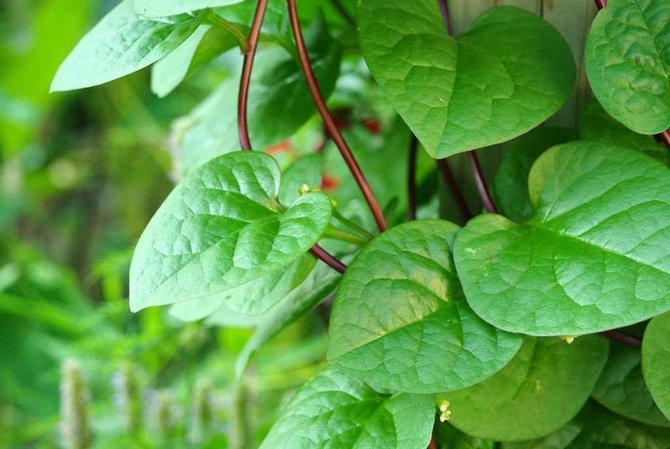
(534, 316)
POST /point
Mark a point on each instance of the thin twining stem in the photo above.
(245, 80)
(601, 3)
(328, 121)
(450, 181)
(665, 138)
(243, 125)
(411, 177)
(480, 182)
(623, 338)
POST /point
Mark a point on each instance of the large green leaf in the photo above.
(222, 227)
(621, 387)
(627, 61)
(200, 48)
(595, 124)
(595, 255)
(507, 74)
(164, 8)
(279, 101)
(251, 299)
(400, 320)
(510, 184)
(120, 44)
(538, 392)
(321, 282)
(336, 412)
(656, 361)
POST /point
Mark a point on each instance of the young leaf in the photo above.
(510, 184)
(628, 63)
(621, 387)
(539, 391)
(596, 125)
(595, 255)
(507, 74)
(655, 357)
(321, 282)
(400, 320)
(222, 227)
(165, 8)
(253, 298)
(120, 44)
(200, 48)
(337, 412)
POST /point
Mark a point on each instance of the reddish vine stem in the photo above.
(433, 444)
(411, 177)
(450, 182)
(601, 3)
(243, 124)
(245, 80)
(623, 338)
(665, 138)
(331, 127)
(480, 181)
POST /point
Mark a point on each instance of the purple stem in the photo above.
(623, 338)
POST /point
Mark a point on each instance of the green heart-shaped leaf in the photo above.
(120, 44)
(656, 361)
(253, 298)
(222, 227)
(507, 74)
(335, 412)
(621, 387)
(538, 392)
(627, 61)
(595, 255)
(400, 320)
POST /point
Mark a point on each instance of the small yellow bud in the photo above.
(445, 413)
(568, 339)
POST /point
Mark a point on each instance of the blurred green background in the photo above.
(80, 175)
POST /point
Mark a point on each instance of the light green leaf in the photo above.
(627, 61)
(306, 171)
(336, 412)
(595, 255)
(400, 320)
(621, 387)
(222, 227)
(656, 361)
(279, 102)
(120, 44)
(538, 392)
(507, 74)
(510, 184)
(243, 306)
(321, 282)
(165, 8)
(596, 125)
(200, 48)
